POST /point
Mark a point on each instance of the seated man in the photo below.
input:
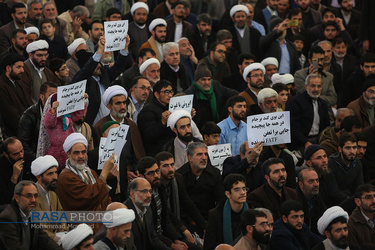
(290, 232)
(273, 193)
(255, 230)
(79, 238)
(224, 220)
(16, 232)
(236, 80)
(206, 191)
(79, 187)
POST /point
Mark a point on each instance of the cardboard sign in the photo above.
(115, 35)
(270, 128)
(71, 98)
(218, 153)
(184, 102)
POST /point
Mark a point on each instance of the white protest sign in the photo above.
(218, 153)
(115, 35)
(270, 128)
(114, 143)
(71, 98)
(184, 102)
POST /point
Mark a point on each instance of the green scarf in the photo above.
(208, 95)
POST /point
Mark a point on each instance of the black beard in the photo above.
(14, 77)
(185, 138)
(158, 40)
(341, 244)
(260, 237)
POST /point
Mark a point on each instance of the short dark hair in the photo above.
(341, 219)
(271, 161)
(294, 12)
(210, 128)
(298, 37)
(45, 85)
(161, 84)
(8, 141)
(328, 10)
(345, 137)
(17, 6)
(204, 17)
(231, 180)
(244, 56)
(94, 22)
(143, 52)
(223, 35)
(163, 156)
(331, 23)
(235, 99)
(45, 21)
(360, 136)
(145, 163)
(289, 206)
(136, 79)
(16, 31)
(56, 63)
(339, 40)
(278, 87)
(368, 57)
(315, 50)
(349, 122)
(364, 188)
(249, 217)
(112, 11)
(214, 45)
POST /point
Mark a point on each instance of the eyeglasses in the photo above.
(145, 191)
(152, 173)
(257, 75)
(29, 196)
(368, 197)
(167, 92)
(245, 189)
(264, 224)
(144, 88)
(220, 51)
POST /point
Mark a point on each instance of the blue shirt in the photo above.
(259, 27)
(233, 135)
(285, 59)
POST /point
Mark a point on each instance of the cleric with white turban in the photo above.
(118, 217)
(112, 91)
(73, 139)
(138, 5)
(329, 215)
(76, 236)
(42, 164)
(251, 67)
(74, 45)
(156, 22)
(147, 63)
(175, 116)
(37, 45)
(239, 7)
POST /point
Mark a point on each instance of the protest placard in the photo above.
(71, 98)
(270, 128)
(115, 35)
(112, 144)
(218, 153)
(184, 102)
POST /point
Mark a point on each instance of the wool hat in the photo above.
(310, 150)
(107, 125)
(202, 71)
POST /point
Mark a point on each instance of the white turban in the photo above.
(239, 7)
(118, 217)
(175, 116)
(113, 91)
(138, 5)
(73, 139)
(37, 45)
(147, 63)
(32, 29)
(42, 164)
(76, 236)
(251, 67)
(283, 78)
(329, 215)
(74, 45)
(156, 22)
(270, 61)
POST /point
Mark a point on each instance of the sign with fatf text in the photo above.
(113, 144)
(71, 98)
(184, 102)
(270, 128)
(218, 153)
(115, 35)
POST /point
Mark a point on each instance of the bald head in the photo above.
(224, 247)
(115, 205)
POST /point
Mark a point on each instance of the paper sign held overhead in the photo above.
(71, 98)
(184, 102)
(218, 153)
(115, 35)
(270, 128)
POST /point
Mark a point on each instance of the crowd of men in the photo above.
(238, 58)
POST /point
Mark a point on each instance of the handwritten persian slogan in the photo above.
(115, 35)
(218, 153)
(271, 128)
(184, 102)
(112, 144)
(71, 98)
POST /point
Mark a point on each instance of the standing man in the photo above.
(19, 43)
(34, 12)
(95, 32)
(233, 128)
(158, 30)
(203, 36)
(176, 26)
(138, 29)
(271, 64)
(139, 93)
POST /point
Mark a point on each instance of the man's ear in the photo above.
(227, 194)
(285, 219)
(175, 130)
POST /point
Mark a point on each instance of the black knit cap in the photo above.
(369, 82)
(310, 150)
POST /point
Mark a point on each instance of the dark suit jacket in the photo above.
(12, 236)
(353, 27)
(254, 41)
(6, 33)
(235, 81)
(198, 43)
(106, 78)
(271, 47)
(153, 241)
(187, 30)
(166, 73)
